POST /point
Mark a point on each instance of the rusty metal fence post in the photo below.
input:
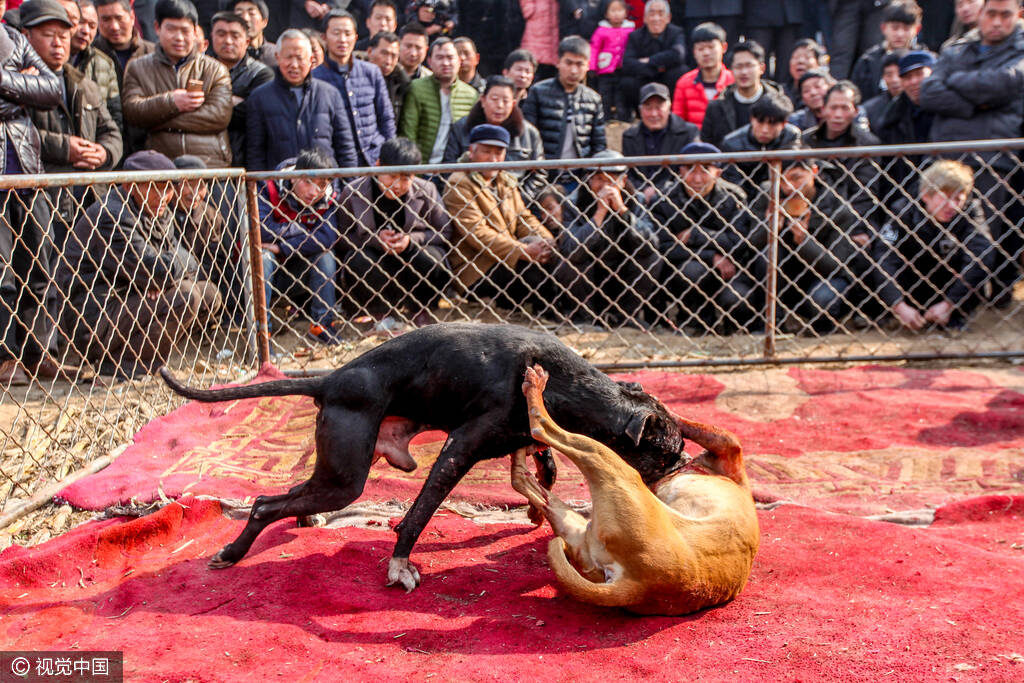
(772, 283)
(259, 291)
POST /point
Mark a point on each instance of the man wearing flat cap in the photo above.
(79, 133)
(658, 132)
(501, 250)
(125, 277)
(25, 246)
(702, 225)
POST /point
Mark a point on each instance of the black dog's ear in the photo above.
(635, 426)
(632, 387)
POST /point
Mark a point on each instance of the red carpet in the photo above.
(831, 597)
(863, 440)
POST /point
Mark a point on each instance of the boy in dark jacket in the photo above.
(934, 258)
(298, 226)
(901, 22)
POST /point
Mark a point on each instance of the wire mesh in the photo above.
(726, 260)
(103, 281)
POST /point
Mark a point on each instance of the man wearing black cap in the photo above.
(126, 278)
(78, 134)
(256, 15)
(500, 249)
(904, 122)
(658, 132)
(25, 247)
(702, 226)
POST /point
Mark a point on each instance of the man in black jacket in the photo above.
(25, 249)
(903, 122)
(568, 114)
(295, 111)
(126, 278)
(822, 269)
(702, 226)
(731, 109)
(229, 43)
(766, 131)
(655, 52)
(933, 263)
(256, 15)
(382, 50)
(658, 132)
(977, 93)
(843, 126)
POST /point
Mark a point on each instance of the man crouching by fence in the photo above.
(127, 281)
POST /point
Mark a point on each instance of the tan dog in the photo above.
(689, 547)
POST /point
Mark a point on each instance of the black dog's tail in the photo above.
(312, 386)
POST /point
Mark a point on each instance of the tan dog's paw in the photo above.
(536, 378)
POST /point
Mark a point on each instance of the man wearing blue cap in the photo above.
(702, 226)
(904, 121)
(501, 249)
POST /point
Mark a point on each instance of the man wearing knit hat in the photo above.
(126, 279)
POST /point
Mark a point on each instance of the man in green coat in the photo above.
(433, 103)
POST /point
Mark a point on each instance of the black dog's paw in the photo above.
(220, 560)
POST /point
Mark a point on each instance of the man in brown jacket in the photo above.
(181, 97)
(501, 249)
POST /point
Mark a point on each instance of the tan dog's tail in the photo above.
(620, 593)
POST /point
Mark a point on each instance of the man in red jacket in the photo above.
(698, 87)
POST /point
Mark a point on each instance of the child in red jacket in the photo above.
(606, 48)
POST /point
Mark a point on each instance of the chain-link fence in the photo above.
(739, 259)
(105, 277)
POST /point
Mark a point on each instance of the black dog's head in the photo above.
(651, 440)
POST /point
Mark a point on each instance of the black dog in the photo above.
(461, 378)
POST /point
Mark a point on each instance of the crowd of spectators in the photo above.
(265, 85)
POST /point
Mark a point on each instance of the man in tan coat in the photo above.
(501, 250)
(181, 97)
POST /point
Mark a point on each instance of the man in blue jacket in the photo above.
(362, 87)
(299, 228)
(295, 111)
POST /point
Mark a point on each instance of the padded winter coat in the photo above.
(421, 112)
(689, 101)
(364, 91)
(545, 107)
(18, 93)
(148, 104)
(278, 127)
(978, 95)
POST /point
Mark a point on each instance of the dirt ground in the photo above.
(48, 433)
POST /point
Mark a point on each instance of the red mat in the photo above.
(863, 440)
(831, 597)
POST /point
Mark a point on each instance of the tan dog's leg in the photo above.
(566, 522)
(622, 503)
(724, 455)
